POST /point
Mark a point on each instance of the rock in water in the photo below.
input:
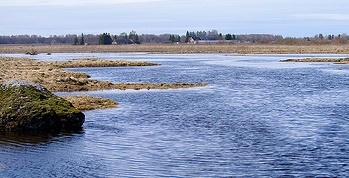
(29, 106)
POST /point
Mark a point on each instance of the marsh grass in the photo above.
(86, 102)
(53, 76)
(182, 48)
(334, 60)
(95, 62)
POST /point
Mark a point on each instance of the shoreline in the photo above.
(87, 102)
(53, 76)
(180, 49)
(332, 60)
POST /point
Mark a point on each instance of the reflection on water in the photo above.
(15, 139)
(258, 118)
(18, 139)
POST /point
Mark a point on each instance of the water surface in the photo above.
(257, 118)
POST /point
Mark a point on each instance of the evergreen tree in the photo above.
(174, 38)
(82, 39)
(193, 35)
(187, 37)
(105, 39)
(76, 40)
(234, 37)
(133, 37)
(220, 36)
(228, 36)
(321, 36)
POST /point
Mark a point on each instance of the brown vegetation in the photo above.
(54, 78)
(334, 60)
(31, 52)
(86, 102)
(184, 48)
(95, 62)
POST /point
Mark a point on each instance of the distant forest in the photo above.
(198, 37)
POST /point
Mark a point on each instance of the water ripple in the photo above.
(258, 118)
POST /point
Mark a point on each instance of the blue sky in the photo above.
(294, 18)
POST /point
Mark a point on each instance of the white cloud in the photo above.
(68, 2)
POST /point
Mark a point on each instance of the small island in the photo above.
(333, 60)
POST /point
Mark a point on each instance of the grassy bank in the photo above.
(334, 60)
(181, 48)
(95, 62)
(55, 78)
(86, 102)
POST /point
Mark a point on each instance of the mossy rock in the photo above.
(28, 106)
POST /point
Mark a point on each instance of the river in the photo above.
(257, 118)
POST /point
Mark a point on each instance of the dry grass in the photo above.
(95, 62)
(334, 60)
(182, 48)
(54, 78)
(50, 74)
(86, 102)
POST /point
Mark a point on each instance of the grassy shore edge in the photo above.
(53, 76)
(333, 60)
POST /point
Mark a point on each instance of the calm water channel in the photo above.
(257, 118)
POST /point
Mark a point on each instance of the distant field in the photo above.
(181, 48)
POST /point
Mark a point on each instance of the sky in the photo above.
(289, 18)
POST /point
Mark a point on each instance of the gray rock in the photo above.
(18, 83)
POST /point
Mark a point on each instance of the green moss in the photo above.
(28, 108)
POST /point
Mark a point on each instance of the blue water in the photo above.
(257, 118)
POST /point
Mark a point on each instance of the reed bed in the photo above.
(181, 48)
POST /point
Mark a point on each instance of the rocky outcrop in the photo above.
(28, 106)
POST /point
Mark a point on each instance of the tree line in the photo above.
(198, 36)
